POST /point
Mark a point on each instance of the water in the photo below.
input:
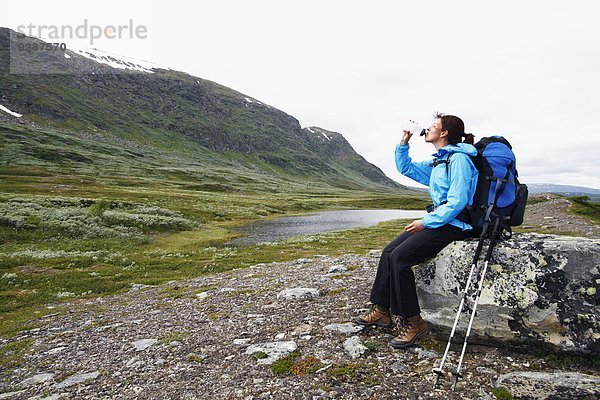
(286, 227)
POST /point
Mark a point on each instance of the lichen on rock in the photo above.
(537, 287)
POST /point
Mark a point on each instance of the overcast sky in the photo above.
(528, 70)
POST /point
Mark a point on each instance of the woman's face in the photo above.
(434, 131)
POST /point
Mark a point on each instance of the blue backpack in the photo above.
(499, 193)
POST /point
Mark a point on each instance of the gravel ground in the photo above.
(195, 340)
(551, 215)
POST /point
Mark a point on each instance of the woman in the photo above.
(394, 290)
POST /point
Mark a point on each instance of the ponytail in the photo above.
(469, 138)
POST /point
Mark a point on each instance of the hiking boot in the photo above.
(411, 331)
(377, 317)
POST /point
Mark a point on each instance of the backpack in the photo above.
(499, 193)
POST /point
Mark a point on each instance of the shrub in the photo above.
(97, 209)
(87, 218)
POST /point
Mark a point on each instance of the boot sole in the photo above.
(398, 345)
(368, 324)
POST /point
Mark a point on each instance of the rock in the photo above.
(273, 350)
(302, 329)
(36, 379)
(241, 341)
(559, 385)
(532, 290)
(8, 395)
(143, 344)
(135, 287)
(298, 294)
(485, 395)
(487, 371)
(354, 347)
(345, 328)
(336, 269)
(399, 368)
(56, 350)
(133, 362)
(76, 379)
(423, 353)
(202, 295)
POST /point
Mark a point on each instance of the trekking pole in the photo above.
(494, 236)
(439, 370)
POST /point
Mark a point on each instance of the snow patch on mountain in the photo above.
(318, 131)
(116, 61)
(249, 100)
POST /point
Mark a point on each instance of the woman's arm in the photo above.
(419, 171)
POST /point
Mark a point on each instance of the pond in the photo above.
(286, 227)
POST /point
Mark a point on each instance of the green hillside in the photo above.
(113, 178)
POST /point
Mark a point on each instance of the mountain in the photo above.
(101, 96)
(567, 190)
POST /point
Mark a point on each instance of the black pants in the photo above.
(394, 285)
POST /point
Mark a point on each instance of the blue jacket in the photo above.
(456, 189)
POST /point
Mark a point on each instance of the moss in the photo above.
(306, 365)
(193, 358)
(240, 292)
(217, 315)
(175, 292)
(284, 365)
(168, 337)
(340, 276)
(336, 291)
(372, 346)
(296, 364)
(501, 393)
(434, 345)
(261, 355)
(355, 372)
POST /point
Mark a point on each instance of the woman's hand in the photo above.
(414, 226)
(406, 135)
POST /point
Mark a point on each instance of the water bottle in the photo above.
(413, 127)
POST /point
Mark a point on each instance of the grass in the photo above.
(12, 352)
(56, 248)
(170, 336)
(584, 207)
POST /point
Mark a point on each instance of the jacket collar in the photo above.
(444, 150)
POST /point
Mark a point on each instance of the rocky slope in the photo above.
(552, 215)
(217, 337)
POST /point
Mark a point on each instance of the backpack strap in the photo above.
(439, 161)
